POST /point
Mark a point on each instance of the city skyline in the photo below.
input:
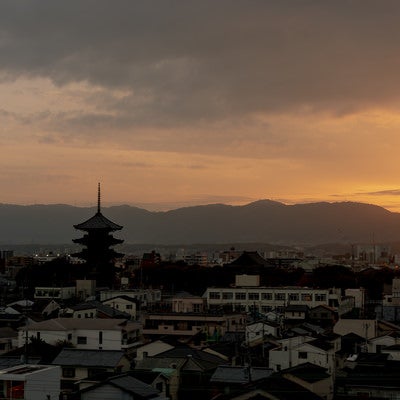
(180, 103)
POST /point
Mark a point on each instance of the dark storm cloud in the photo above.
(186, 61)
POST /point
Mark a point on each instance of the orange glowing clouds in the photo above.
(290, 100)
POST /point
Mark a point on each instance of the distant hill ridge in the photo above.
(263, 221)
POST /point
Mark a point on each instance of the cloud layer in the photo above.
(185, 62)
(299, 98)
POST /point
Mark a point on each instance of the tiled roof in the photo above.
(307, 372)
(89, 358)
(98, 221)
(230, 374)
(160, 364)
(62, 324)
(249, 258)
(133, 385)
(103, 308)
(185, 352)
(128, 384)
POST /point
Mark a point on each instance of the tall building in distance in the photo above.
(98, 242)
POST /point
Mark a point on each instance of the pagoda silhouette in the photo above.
(98, 240)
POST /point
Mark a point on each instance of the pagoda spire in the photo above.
(97, 245)
(98, 198)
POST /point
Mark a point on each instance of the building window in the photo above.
(303, 355)
(159, 386)
(100, 337)
(280, 296)
(294, 297)
(81, 340)
(92, 372)
(16, 390)
(306, 297)
(69, 337)
(320, 297)
(215, 295)
(128, 307)
(68, 372)
(196, 308)
(227, 295)
(38, 335)
(254, 296)
(240, 296)
(266, 296)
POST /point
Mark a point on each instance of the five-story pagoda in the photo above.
(98, 254)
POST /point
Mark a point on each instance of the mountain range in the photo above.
(263, 221)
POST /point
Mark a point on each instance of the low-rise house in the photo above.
(94, 309)
(367, 328)
(323, 315)
(155, 379)
(121, 387)
(188, 370)
(312, 377)
(107, 334)
(352, 343)
(152, 349)
(229, 379)
(392, 351)
(281, 357)
(274, 387)
(87, 364)
(212, 325)
(305, 349)
(184, 302)
(377, 344)
(51, 309)
(256, 331)
(125, 304)
(8, 339)
(146, 297)
(170, 367)
(296, 312)
(368, 375)
(30, 382)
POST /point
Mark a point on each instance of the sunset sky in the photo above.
(174, 103)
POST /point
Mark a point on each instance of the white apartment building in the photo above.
(265, 299)
(86, 333)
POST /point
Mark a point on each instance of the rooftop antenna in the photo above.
(98, 198)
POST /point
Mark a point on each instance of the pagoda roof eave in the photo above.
(98, 221)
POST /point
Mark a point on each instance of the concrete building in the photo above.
(265, 299)
(30, 382)
(86, 333)
(184, 302)
(57, 293)
(188, 324)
